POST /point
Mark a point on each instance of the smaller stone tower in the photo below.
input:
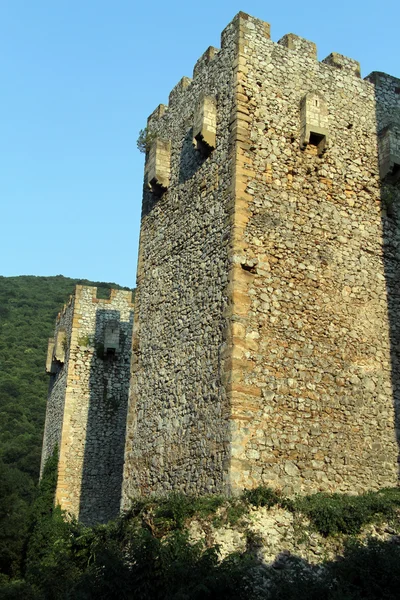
(88, 361)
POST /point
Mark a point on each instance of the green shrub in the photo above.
(174, 510)
(262, 496)
(18, 590)
(235, 511)
(145, 139)
(340, 513)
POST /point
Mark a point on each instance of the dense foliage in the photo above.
(147, 554)
(28, 308)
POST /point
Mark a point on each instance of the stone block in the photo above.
(314, 119)
(299, 44)
(50, 367)
(158, 166)
(205, 124)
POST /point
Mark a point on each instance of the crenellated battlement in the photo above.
(156, 114)
(249, 27)
(65, 308)
(115, 295)
(387, 87)
(343, 62)
(177, 91)
(204, 60)
(299, 44)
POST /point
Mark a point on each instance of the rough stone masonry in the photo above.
(266, 333)
(266, 330)
(88, 362)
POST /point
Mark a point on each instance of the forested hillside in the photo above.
(28, 308)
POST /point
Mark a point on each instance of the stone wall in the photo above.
(274, 534)
(58, 372)
(264, 351)
(94, 396)
(177, 436)
(312, 404)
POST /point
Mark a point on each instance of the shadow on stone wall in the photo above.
(388, 114)
(106, 424)
(190, 159)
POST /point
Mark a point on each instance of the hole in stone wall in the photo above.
(350, 126)
(397, 90)
(395, 174)
(204, 149)
(249, 268)
(156, 189)
(316, 139)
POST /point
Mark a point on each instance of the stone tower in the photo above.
(267, 314)
(89, 362)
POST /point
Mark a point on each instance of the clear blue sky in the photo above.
(78, 80)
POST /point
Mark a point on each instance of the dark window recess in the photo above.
(397, 90)
(156, 189)
(249, 268)
(204, 149)
(316, 139)
(110, 353)
(396, 172)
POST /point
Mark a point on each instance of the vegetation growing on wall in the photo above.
(145, 139)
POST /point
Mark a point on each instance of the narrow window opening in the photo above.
(316, 139)
(397, 90)
(395, 175)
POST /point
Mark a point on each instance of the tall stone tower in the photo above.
(89, 363)
(267, 313)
